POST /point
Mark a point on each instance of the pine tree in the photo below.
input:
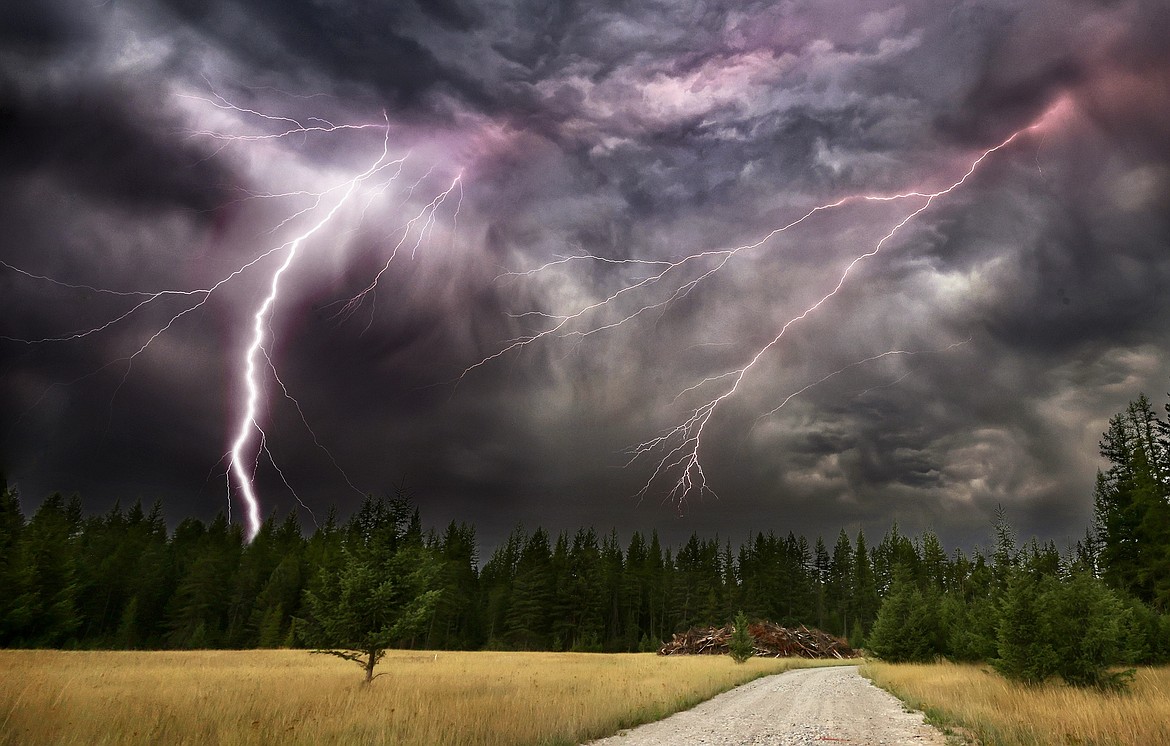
(907, 627)
(657, 589)
(1086, 624)
(821, 569)
(46, 609)
(742, 645)
(1132, 504)
(528, 621)
(198, 611)
(586, 592)
(454, 622)
(382, 594)
(840, 586)
(612, 569)
(496, 584)
(1025, 651)
(635, 596)
(865, 598)
(14, 574)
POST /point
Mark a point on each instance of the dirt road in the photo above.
(813, 706)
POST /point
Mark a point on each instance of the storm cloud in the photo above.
(972, 363)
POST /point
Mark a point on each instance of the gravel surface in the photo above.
(813, 706)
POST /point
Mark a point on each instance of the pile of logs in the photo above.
(769, 640)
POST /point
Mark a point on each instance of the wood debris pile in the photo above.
(770, 641)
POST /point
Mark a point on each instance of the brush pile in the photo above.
(769, 641)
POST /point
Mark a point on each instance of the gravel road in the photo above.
(813, 706)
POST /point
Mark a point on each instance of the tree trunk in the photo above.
(371, 659)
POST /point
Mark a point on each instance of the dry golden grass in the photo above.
(286, 696)
(999, 712)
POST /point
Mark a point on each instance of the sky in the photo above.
(558, 263)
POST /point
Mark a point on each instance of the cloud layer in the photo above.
(1019, 312)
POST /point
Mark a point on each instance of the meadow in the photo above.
(290, 696)
(994, 710)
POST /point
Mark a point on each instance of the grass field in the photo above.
(1005, 714)
(285, 696)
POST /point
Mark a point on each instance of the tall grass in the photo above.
(283, 696)
(1000, 712)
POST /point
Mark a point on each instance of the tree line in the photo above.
(122, 580)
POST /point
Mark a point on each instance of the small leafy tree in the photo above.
(381, 593)
(742, 645)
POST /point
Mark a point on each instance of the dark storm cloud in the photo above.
(45, 28)
(356, 46)
(1030, 298)
(102, 141)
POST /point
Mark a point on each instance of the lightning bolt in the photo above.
(850, 366)
(675, 453)
(250, 442)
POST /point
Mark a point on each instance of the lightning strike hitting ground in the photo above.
(678, 461)
(255, 366)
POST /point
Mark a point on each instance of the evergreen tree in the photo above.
(324, 557)
(742, 645)
(14, 575)
(528, 622)
(690, 586)
(1025, 651)
(586, 592)
(658, 590)
(729, 582)
(612, 569)
(454, 624)
(893, 550)
(198, 611)
(839, 588)
(1132, 505)
(381, 596)
(45, 612)
(970, 627)
(865, 597)
(143, 619)
(821, 569)
(1086, 624)
(565, 617)
(496, 584)
(907, 627)
(935, 566)
(636, 596)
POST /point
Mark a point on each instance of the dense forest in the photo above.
(122, 580)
